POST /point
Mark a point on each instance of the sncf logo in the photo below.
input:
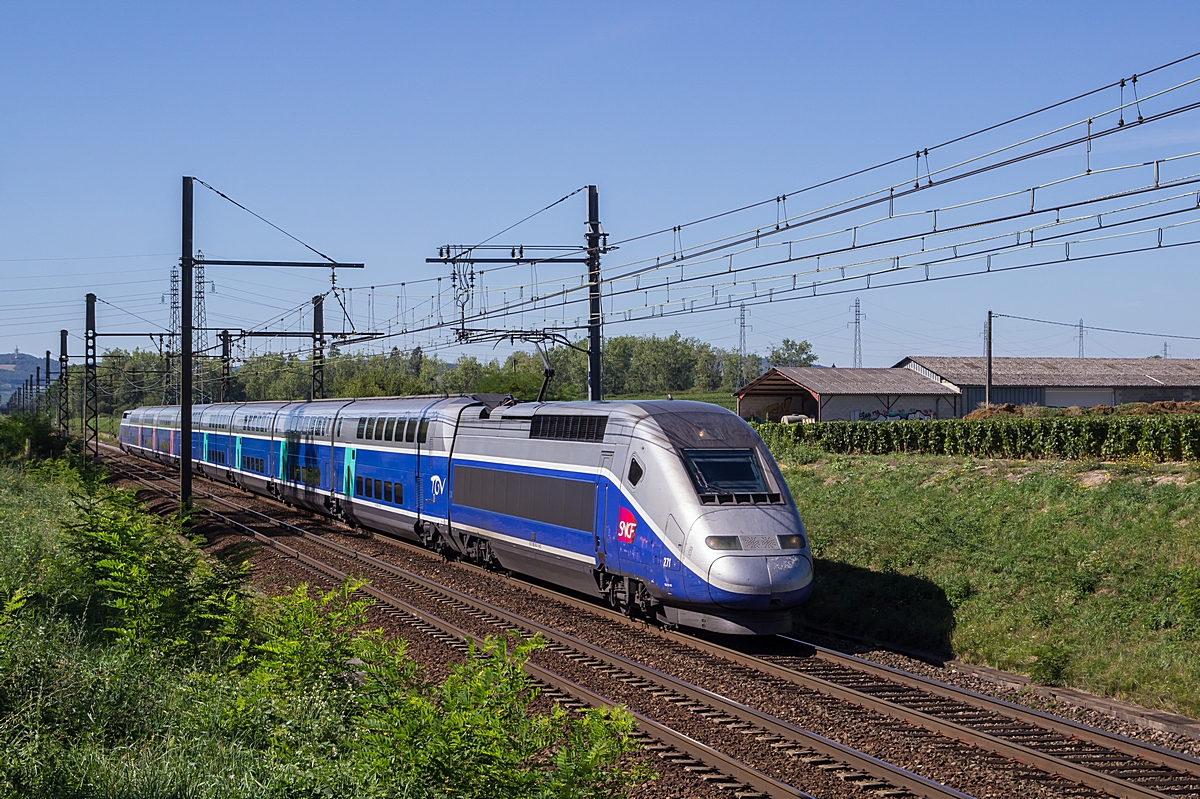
(626, 526)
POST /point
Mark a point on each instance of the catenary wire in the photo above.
(1092, 327)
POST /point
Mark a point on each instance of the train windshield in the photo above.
(724, 471)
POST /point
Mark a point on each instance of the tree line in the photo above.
(633, 366)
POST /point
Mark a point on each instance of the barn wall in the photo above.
(1083, 397)
(1158, 394)
(769, 407)
(1017, 395)
(862, 407)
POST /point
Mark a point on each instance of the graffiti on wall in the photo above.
(893, 415)
(779, 409)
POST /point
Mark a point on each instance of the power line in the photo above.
(952, 245)
(1081, 327)
(998, 243)
(85, 258)
(494, 236)
(131, 313)
(269, 222)
(888, 195)
(900, 159)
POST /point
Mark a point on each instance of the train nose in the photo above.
(754, 582)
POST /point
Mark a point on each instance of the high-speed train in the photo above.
(672, 510)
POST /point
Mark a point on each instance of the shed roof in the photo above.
(834, 381)
(1062, 372)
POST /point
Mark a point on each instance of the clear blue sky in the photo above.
(378, 132)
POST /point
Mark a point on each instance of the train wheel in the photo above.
(617, 595)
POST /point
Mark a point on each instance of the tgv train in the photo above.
(673, 510)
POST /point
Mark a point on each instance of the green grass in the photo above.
(134, 665)
(1017, 565)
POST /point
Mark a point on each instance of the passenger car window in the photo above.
(362, 424)
(423, 431)
(635, 472)
(379, 429)
(410, 435)
(391, 426)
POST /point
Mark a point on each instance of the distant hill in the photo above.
(15, 367)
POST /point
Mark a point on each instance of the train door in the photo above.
(431, 473)
(603, 487)
(348, 463)
(612, 519)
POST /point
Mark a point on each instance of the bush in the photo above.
(151, 585)
(29, 435)
(785, 447)
(1159, 438)
(134, 664)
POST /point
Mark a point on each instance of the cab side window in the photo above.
(636, 472)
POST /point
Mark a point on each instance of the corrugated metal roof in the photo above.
(847, 381)
(1063, 372)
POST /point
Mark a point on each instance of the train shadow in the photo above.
(896, 610)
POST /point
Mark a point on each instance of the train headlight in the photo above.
(791, 542)
(723, 542)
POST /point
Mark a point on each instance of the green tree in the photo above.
(792, 353)
(706, 374)
(735, 372)
(464, 377)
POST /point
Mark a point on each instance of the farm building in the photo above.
(1062, 382)
(846, 394)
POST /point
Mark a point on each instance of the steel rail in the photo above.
(1120, 743)
(714, 760)
(736, 711)
(1116, 786)
(1082, 732)
(1051, 763)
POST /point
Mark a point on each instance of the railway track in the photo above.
(1107, 763)
(707, 763)
(1111, 763)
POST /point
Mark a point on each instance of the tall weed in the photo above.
(133, 664)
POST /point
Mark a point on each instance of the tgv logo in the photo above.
(626, 526)
(436, 484)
